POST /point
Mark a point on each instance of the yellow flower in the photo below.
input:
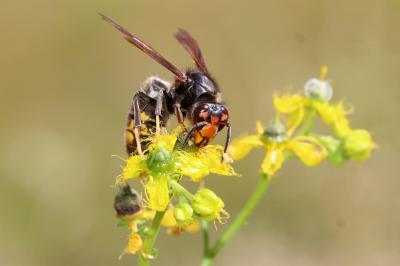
(135, 241)
(306, 148)
(163, 161)
(334, 115)
(293, 106)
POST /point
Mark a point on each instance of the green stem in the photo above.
(179, 189)
(149, 242)
(206, 239)
(237, 223)
(308, 123)
(207, 261)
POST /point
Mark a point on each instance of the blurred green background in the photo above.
(66, 83)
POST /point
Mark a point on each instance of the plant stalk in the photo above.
(309, 122)
(206, 239)
(148, 244)
(238, 222)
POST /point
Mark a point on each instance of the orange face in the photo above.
(216, 116)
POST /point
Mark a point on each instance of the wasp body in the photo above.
(193, 94)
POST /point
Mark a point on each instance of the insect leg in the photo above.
(192, 130)
(137, 123)
(179, 115)
(160, 98)
(227, 141)
(228, 137)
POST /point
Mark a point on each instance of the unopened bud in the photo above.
(208, 205)
(183, 214)
(358, 144)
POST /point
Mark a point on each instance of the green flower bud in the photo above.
(183, 214)
(358, 144)
(208, 205)
(160, 160)
(127, 201)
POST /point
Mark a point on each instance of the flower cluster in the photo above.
(289, 134)
(160, 171)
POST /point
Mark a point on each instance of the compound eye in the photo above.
(201, 113)
(224, 114)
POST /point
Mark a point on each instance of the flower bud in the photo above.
(358, 144)
(183, 214)
(160, 160)
(319, 89)
(127, 201)
(208, 205)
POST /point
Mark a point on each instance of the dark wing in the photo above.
(146, 48)
(191, 45)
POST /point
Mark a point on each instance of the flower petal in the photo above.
(169, 219)
(273, 159)
(288, 103)
(240, 147)
(308, 150)
(334, 115)
(135, 166)
(157, 192)
(294, 120)
(211, 155)
(189, 164)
